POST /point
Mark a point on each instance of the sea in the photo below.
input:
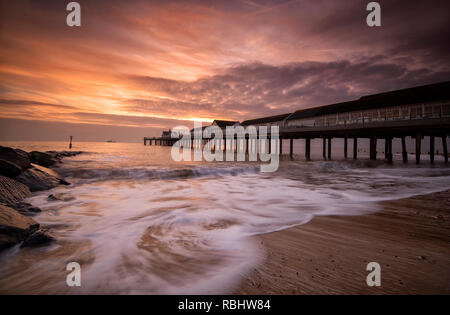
(138, 222)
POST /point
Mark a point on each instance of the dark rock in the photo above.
(42, 158)
(14, 227)
(61, 154)
(52, 198)
(25, 208)
(37, 238)
(9, 169)
(11, 191)
(40, 178)
(16, 156)
(59, 197)
(69, 153)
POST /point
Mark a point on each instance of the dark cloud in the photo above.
(257, 89)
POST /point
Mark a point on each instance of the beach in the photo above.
(409, 238)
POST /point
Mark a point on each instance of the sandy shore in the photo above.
(409, 238)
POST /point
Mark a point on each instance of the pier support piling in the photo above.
(444, 147)
(329, 148)
(246, 145)
(389, 149)
(404, 152)
(373, 148)
(431, 149)
(418, 147)
(291, 147)
(345, 147)
(386, 148)
(308, 148)
(281, 145)
(324, 149)
(355, 148)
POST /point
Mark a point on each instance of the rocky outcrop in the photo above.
(11, 191)
(57, 156)
(42, 158)
(20, 174)
(14, 227)
(39, 178)
(25, 208)
(37, 238)
(9, 169)
(15, 156)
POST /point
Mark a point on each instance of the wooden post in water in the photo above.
(345, 146)
(308, 148)
(418, 147)
(431, 149)
(355, 148)
(70, 143)
(404, 152)
(444, 147)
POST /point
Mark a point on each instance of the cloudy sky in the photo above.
(134, 68)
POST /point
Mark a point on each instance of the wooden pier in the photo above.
(162, 141)
(415, 112)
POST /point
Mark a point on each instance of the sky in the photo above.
(134, 68)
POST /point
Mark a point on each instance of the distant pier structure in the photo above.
(165, 139)
(414, 112)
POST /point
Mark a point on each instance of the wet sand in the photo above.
(409, 238)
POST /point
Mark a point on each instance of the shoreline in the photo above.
(409, 238)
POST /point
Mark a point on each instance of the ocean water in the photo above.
(138, 222)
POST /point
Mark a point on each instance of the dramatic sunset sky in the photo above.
(136, 67)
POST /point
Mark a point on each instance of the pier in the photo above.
(415, 112)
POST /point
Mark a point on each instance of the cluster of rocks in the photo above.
(20, 174)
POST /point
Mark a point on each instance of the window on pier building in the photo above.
(446, 110)
(416, 111)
